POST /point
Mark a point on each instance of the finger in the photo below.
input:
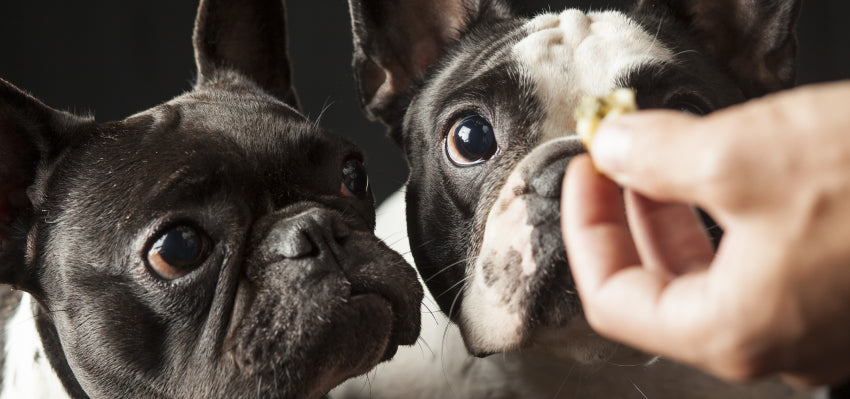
(622, 300)
(662, 154)
(653, 313)
(594, 225)
(670, 237)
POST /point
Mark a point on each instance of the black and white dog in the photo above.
(482, 103)
(218, 245)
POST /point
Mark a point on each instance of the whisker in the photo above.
(564, 381)
(459, 292)
(327, 105)
(638, 389)
(461, 281)
(685, 52)
(424, 343)
(369, 382)
(641, 364)
(420, 246)
(430, 312)
(657, 32)
(449, 323)
(443, 270)
(393, 244)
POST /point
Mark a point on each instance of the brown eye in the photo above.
(177, 251)
(471, 141)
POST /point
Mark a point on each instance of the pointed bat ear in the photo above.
(248, 37)
(396, 42)
(755, 39)
(32, 136)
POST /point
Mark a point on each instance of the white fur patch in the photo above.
(489, 313)
(27, 372)
(573, 54)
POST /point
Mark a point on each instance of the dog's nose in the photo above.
(309, 233)
(543, 168)
(547, 181)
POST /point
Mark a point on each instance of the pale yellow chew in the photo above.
(593, 110)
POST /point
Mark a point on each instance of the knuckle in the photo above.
(740, 357)
(742, 370)
(719, 176)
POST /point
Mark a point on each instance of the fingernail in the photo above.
(611, 147)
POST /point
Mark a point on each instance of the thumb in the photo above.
(656, 153)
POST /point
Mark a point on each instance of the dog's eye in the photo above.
(177, 251)
(690, 108)
(689, 104)
(471, 141)
(355, 181)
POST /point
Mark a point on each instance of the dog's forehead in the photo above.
(206, 132)
(574, 54)
(259, 125)
(245, 115)
(550, 61)
(589, 51)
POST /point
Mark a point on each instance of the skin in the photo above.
(775, 174)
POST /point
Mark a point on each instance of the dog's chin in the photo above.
(371, 318)
(364, 327)
(573, 342)
(347, 339)
(304, 343)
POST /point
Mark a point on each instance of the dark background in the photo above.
(114, 58)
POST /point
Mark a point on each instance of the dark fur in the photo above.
(296, 294)
(722, 58)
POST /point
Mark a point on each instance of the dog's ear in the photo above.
(756, 39)
(32, 136)
(248, 37)
(396, 42)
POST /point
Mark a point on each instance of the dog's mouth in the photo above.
(382, 313)
(323, 323)
(403, 321)
(520, 283)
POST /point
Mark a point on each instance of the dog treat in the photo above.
(593, 110)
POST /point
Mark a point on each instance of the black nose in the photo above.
(547, 180)
(313, 232)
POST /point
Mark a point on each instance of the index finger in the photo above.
(623, 300)
(594, 224)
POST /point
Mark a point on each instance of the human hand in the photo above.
(775, 174)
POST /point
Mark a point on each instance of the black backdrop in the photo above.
(114, 58)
